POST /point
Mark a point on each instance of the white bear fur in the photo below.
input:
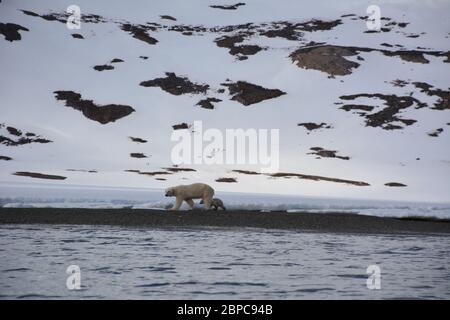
(189, 192)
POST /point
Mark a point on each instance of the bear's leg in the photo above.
(177, 204)
(208, 195)
(190, 203)
(207, 199)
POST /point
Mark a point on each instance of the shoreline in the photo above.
(277, 220)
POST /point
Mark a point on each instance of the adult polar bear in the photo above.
(189, 192)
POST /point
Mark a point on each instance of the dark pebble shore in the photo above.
(149, 218)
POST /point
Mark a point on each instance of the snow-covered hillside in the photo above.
(361, 113)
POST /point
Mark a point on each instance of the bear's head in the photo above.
(170, 192)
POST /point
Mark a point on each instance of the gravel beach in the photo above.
(319, 222)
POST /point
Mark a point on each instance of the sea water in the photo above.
(214, 263)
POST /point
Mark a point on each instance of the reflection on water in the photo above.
(135, 263)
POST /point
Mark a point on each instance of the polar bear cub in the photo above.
(189, 192)
(216, 203)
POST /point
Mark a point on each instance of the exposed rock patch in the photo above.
(10, 142)
(280, 29)
(295, 31)
(322, 153)
(248, 93)
(140, 32)
(435, 133)
(246, 172)
(399, 83)
(443, 101)
(208, 103)
(395, 184)
(103, 67)
(179, 169)
(242, 51)
(14, 131)
(180, 126)
(167, 17)
(20, 138)
(154, 173)
(409, 56)
(229, 7)
(387, 118)
(137, 155)
(350, 107)
(5, 158)
(100, 113)
(176, 85)
(62, 17)
(11, 31)
(227, 180)
(310, 126)
(318, 178)
(304, 176)
(149, 173)
(326, 58)
(138, 140)
(77, 36)
(116, 60)
(82, 170)
(39, 175)
(331, 59)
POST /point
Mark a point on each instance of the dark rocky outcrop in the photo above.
(39, 175)
(14, 131)
(326, 58)
(436, 133)
(228, 7)
(100, 113)
(138, 140)
(62, 17)
(318, 178)
(149, 173)
(208, 103)
(180, 126)
(395, 184)
(246, 172)
(179, 169)
(443, 102)
(11, 31)
(103, 67)
(20, 138)
(331, 59)
(176, 85)
(242, 51)
(248, 93)
(167, 17)
(139, 32)
(350, 107)
(310, 126)
(228, 180)
(137, 155)
(387, 116)
(322, 153)
(82, 170)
